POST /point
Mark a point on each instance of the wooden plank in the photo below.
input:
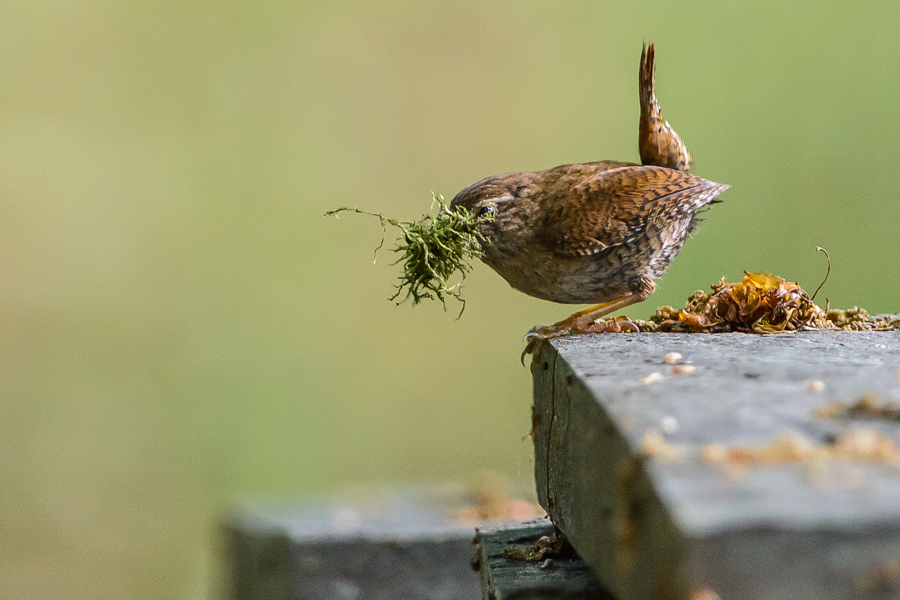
(562, 576)
(746, 492)
(414, 544)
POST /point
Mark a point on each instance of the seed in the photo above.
(652, 378)
(673, 358)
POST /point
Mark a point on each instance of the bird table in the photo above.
(755, 467)
(380, 545)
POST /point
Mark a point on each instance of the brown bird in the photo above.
(598, 232)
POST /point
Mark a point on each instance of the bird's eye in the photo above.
(486, 210)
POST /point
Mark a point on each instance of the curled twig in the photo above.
(827, 273)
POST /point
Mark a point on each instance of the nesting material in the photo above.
(433, 250)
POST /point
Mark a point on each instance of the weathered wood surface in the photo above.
(683, 520)
(557, 578)
(406, 545)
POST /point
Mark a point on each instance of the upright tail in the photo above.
(658, 143)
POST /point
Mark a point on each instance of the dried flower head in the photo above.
(760, 303)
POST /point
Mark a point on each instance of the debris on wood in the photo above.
(761, 303)
(668, 424)
(655, 446)
(652, 378)
(816, 385)
(861, 446)
(867, 407)
(673, 358)
(864, 446)
(547, 546)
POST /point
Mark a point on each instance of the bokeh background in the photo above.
(181, 329)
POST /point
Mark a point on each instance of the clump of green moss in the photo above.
(432, 250)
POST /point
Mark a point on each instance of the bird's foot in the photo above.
(576, 324)
(538, 336)
(618, 325)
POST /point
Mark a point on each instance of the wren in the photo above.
(595, 233)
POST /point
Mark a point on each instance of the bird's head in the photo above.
(502, 198)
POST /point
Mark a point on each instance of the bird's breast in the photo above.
(566, 280)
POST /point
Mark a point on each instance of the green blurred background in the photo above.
(181, 327)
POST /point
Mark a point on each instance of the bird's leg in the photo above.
(658, 143)
(580, 322)
(583, 320)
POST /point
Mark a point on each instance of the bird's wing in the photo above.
(613, 207)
